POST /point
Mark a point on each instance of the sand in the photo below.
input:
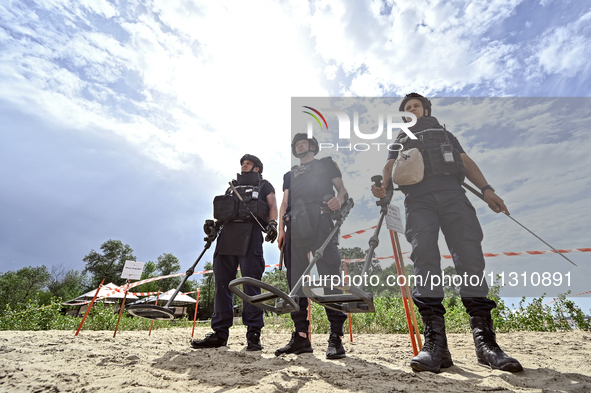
(57, 361)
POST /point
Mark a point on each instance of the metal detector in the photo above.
(357, 300)
(289, 302)
(155, 312)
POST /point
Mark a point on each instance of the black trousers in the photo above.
(225, 268)
(296, 261)
(451, 211)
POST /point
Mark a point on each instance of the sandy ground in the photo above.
(57, 361)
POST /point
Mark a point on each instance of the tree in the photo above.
(356, 268)
(276, 278)
(109, 264)
(207, 295)
(65, 283)
(16, 287)
(168, 264)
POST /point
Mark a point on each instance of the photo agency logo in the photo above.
(344, 129)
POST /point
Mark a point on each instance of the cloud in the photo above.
(565, 49)
(421, 45)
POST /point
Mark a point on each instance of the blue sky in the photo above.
(123, 119)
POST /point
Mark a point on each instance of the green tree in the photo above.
(108, 264)
(66, 283)
(166, 265)
(277, 278)
(17, 287)
(207, 296)
(356, 268)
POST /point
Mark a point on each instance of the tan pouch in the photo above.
(408, 168)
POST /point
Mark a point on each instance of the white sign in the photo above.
(132, 270)
(394, 219)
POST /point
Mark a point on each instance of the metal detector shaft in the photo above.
(189, 273)
(317, 256)
(374, 240)
(479, 195)
(246, 206)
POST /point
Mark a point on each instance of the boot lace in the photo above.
(488, 339)
(334, 341)
(429, 345)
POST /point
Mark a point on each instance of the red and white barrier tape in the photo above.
(349, 235)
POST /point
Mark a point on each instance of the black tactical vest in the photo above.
(228, 207)
(429, 142)
(310, 182)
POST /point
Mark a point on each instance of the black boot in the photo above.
(254, 341)
(335, 348)
(488, 351)
(296, 345)
(435, 354)
(211, 340)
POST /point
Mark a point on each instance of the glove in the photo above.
(271, 231)
(210, 227)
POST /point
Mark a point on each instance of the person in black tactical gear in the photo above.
(308, 219)
(240, 243)
(439, 201)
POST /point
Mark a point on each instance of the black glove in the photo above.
(271, 231)
(210, 228)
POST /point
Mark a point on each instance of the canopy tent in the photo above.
(107, 292)
(180, 299)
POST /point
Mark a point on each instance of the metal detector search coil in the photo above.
(355, 301)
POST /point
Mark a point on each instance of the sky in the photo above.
(123, 119)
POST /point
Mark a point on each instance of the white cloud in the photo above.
(420, 46)
(566, 49)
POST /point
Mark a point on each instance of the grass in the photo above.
(562, 315)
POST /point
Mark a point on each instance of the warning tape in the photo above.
(486, 254)
(576, 294)
(349, 235)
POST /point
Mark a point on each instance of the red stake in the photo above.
(408, 294)
(196, 307)
(89, 307)
(350, 324)
(121, 310)
(415, 351)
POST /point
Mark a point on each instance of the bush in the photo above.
(33, 316)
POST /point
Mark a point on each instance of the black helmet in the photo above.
(301, 136)
(426, 104)
(254, 159)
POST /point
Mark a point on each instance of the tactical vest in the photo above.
(313, 183)
(228, 207)
(429, 142)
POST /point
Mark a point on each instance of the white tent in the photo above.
(179, 300)
(107, 290)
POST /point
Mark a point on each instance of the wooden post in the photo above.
(121, 310)
(89, 307)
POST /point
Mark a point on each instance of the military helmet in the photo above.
(254, 159)
(426, 103)
(301, 136)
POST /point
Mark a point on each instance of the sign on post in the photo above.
(394, 219)
(133, 270)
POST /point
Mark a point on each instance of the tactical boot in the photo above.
(335, 348)
(254, 341)
(296, 345)
(488, 351)
(211, 340)
(435, 355)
